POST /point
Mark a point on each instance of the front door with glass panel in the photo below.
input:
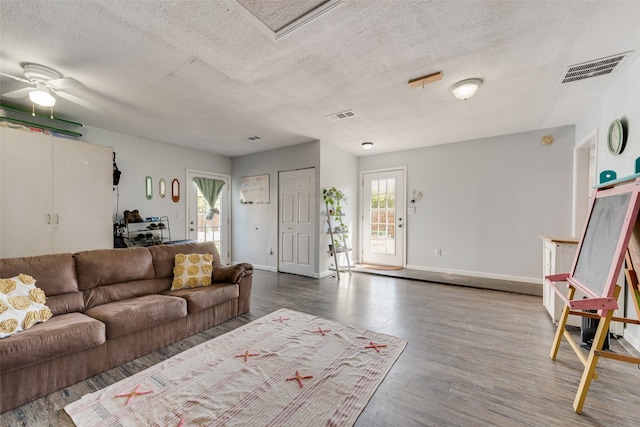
(206, 223)
(383, 218)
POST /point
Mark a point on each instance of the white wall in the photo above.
(138, 157)
(255, 227)
(486, 202)
(620, 102)
(338, 169)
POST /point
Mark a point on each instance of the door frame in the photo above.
(583, 167)
(225, 233)
(402, 210)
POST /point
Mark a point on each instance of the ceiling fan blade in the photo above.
(20, 93)
(65, 83)
(82, 102)
(20, 79)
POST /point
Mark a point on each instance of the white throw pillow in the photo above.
(22, 305)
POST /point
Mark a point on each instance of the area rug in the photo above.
(380, 267)
(285, 369)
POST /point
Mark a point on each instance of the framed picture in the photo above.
(254, 189)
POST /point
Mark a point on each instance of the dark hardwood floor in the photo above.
(475, 357)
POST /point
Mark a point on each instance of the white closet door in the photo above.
(297, 222)
(82, 196)
(25, 193)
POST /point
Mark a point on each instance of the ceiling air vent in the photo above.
(593, 68)
(342, 115)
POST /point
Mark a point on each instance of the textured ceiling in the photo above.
(200, 74)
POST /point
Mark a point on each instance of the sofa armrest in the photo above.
(231, 273)
(239, 274)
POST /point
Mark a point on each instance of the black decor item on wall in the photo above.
(116, 171)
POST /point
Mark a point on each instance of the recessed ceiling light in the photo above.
(367, 145)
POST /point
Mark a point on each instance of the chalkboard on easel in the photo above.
(598, 257)
(612, 233)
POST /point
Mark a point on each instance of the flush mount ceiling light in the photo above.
(367, 145)
(465, 89)
(42, 97)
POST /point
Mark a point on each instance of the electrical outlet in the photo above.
(437, 252)
(411, 211)
(180, 215)
(270, 251)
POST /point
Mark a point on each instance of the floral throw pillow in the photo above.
(192, 271)
(22, 305)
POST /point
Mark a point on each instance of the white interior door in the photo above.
(297, 222)
(383, 217)
(205, 224)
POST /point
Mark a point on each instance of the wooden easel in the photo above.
(601, 296)
(596, 351)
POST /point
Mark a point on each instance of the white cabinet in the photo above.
(558, 258)
(56, 195)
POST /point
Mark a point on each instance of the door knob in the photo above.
(399, 225)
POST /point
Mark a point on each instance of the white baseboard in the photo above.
(323, 274)
(265, 267)
(535, 280)
(632, 339)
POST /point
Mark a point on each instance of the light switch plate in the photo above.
(412, 211)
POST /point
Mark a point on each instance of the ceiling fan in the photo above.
(46, 81)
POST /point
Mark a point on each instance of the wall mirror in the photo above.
(175, 190)
(148, 187)
(162, 188)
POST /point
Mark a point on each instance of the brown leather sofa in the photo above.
(110, 306)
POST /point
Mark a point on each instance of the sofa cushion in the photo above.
(164, 256)
(135, 314)
(108, 275)
(55, 275)
(108, 266)
(121, 291)
(60, 336)
(192, 271)
(21, 304)
(206, 297)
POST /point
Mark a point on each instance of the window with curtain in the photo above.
(208, 217)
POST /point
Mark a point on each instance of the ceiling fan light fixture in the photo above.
(42, 98)
(465, 89)
(367, 145)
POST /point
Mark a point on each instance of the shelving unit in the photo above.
(339, 240)
(139, 233)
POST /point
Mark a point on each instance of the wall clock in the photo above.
(616, 137)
